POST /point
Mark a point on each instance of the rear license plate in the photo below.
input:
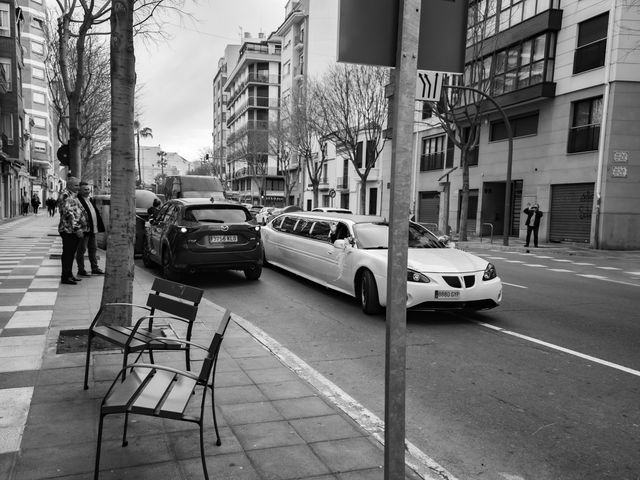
(223, 238)
(447, 294)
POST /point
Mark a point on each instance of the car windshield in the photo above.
(216, 214)
(376, 235)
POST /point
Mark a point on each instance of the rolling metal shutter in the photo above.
(429, 207)
(570, 216)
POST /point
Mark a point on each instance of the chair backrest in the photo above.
(212, 355)
(174, 298)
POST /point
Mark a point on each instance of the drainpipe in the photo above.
(603, 124)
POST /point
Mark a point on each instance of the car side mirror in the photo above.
(340, 244)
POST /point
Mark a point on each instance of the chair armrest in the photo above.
(132, 366)
(167, 317)
(176, 340)
(121, 304)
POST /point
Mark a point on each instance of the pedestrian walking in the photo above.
(51, 206)
(35, 203)
(71, 228)
(533, 222)
(94, 225)
(25, 203)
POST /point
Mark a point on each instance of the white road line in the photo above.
(595, 277)
(609, 268)
(584, 263)
(561, 260)
(514, 261)
(514, 285)
(633, 273)
(560, 349)
(534, 265)
(561, 270)
(417, 460)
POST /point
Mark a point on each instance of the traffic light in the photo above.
(63, 155)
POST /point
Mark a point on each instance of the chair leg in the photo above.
(125, 357)
(215, 421)
(151, 356)
(125, 442)
(86, 366)
(96, 471)
(187, 354)
(204, 461)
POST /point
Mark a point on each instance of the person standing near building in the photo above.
(94, 225)
(71, 228)
(25, 203)
(51, 206)
(534, 215)
(35, 203)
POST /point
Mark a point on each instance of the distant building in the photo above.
(149, 158)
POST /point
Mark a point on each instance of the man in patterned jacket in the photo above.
(71, 228)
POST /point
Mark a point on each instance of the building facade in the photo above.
(568, 78)
(253, 88)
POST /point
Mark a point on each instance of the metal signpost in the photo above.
(400, 34)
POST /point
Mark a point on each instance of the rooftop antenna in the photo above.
(241, 34)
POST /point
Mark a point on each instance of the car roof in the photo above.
(333, 216)
(205, 201)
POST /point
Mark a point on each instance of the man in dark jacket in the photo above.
(533, 223)
(94, 225)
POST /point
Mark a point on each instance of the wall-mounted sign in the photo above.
(619, 171)
(620, 156)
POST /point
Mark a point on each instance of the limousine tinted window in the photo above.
(376, 235)
(320, 231)
(288, 224)
(303, 227)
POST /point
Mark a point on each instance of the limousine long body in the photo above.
(348, 253)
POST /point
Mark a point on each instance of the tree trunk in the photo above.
(118, 283)
(464, 201)
(363, 196)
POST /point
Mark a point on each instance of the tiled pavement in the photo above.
(274, 425)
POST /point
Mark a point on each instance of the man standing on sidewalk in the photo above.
(94, 225)
(71, 228)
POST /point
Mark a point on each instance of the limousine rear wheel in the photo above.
(369, 294)
(253, 273)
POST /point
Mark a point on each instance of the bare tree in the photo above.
(351, 109)
(464, 103)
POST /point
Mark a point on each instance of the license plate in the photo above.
(223, 238)
(447, 294)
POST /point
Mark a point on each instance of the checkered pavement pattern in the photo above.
(30, 271)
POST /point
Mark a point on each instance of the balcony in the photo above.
(342, 183)
(584, 138)
(431, 161)
(263, 78)
(298, 41)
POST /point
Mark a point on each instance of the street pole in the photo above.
(396, 315)
(507, 190)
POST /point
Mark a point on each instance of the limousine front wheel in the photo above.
(369, 294)
(253, 273)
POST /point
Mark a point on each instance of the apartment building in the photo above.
(253, 88)
(15, 179)
(39, 132)
(568, 77)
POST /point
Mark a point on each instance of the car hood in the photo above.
(440, 260)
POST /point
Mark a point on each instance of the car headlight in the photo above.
(417, 277)
(489, 272)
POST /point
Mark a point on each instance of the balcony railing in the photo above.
(431, 161)
(342, 183)
(584, 138)
(263, 78)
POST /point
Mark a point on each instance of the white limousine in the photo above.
(349, 253)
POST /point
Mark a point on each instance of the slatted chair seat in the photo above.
(167, 303)
(164, 392)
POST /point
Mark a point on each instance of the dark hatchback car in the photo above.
(190, 235)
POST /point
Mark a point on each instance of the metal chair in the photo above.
(167, 301)
(165, 392)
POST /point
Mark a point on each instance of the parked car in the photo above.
(348, 253)
(331, 210)
(190, 235)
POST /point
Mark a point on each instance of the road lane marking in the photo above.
(561, 270)
(584, 263)
(514, 285)
(609, 268)
(419, 461)
(514, 261)
(534, 265)
(561, 260)
(560, 349)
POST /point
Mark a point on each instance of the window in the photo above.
(38, 73)
(433, 152)
(427, 111)
(6, 65)
(38, 98)
(520, 126)
(36, 23)
(5, 25)
(371, 153)
(592, 43)
(39, 122)
(7, 128)
(359, 155)
(472, 154)
(522, 65)
(40, 147)
(584, 133)
(37, 47)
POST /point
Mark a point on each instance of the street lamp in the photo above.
(507, 192)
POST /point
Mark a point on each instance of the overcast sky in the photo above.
(176, 76)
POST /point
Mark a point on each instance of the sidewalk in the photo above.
(274, 424)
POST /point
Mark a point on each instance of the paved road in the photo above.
(545, 387)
